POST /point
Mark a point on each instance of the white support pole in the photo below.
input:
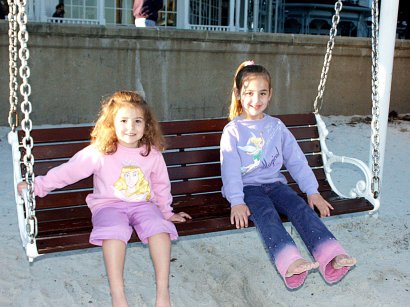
(42, 9)
(387, 39)
(232, 15)
(101, 12)
(186, 14)
(270, 6)
(256, 16)
(237, 14)
(276, 15)
(245, 16)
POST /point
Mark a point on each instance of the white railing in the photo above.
(76, 21)
(214, 28)
(209, 28)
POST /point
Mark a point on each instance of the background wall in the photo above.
(189, 74)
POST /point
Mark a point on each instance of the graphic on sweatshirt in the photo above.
(132, 185)
(254, 148)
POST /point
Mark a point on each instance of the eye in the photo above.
(123, 121)
(139, 121)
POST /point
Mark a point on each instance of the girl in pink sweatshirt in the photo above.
(131, 189)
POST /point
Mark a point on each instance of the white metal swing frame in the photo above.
(27, 224)
(26, 203)
(363, 188)
(383, 44)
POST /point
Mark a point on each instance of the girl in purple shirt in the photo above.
(254, 146)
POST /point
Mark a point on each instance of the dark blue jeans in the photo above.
(266, 202)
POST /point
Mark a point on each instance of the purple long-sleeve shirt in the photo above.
(253, 152)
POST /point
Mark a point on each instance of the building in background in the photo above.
(277, 16)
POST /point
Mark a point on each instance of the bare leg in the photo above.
(341, 261)
(160, 249)
(114, 257)
(300, 266)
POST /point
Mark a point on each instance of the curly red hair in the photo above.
(103, 134)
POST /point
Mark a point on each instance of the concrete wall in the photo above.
(189, 74)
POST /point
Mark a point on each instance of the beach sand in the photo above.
(232, 268)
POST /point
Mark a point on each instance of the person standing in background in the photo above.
(59, 12)
(146, 12)
(4, 9)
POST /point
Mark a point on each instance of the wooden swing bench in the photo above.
(192, 157)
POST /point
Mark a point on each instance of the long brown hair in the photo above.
(103, 134)
(242, 72)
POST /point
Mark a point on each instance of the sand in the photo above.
(232, 268)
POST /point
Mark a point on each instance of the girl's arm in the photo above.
(231, 169)
(160, 185)
(297, 165)
(232, 180)
(80, 166)
(316, 200)
(161, 188)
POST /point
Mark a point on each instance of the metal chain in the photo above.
(317, 105)
(13, 71)
(375, 139)
(26, 124)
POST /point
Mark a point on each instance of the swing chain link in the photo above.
(375, 184)
(13, 71)
(26, 123)
(317, 105)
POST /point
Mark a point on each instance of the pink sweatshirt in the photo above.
(125, 175)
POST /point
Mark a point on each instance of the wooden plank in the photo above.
(64, 226)
(193, 126)
(193, 156)
(57, 151)
(81, 133)
(302, 133)
(193, 141)
(196, 186)
(62, 200)
(194, 171)
(291, 120)
(69, 213)
(310, 147)
(59, 134)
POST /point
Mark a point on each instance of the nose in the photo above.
(255, 98)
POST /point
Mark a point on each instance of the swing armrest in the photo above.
(362, 187)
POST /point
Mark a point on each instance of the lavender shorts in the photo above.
(116, 222)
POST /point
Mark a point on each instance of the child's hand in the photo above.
(316, 200)
(21, 186)
(239, 215)
(180, 217)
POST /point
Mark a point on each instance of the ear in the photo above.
(270, 93)
(237, 94)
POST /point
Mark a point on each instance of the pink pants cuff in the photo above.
(324, 255)
(284, 259)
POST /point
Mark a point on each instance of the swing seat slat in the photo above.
(192, 157)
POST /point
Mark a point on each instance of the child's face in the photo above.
(129, 126)
(254, 95)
